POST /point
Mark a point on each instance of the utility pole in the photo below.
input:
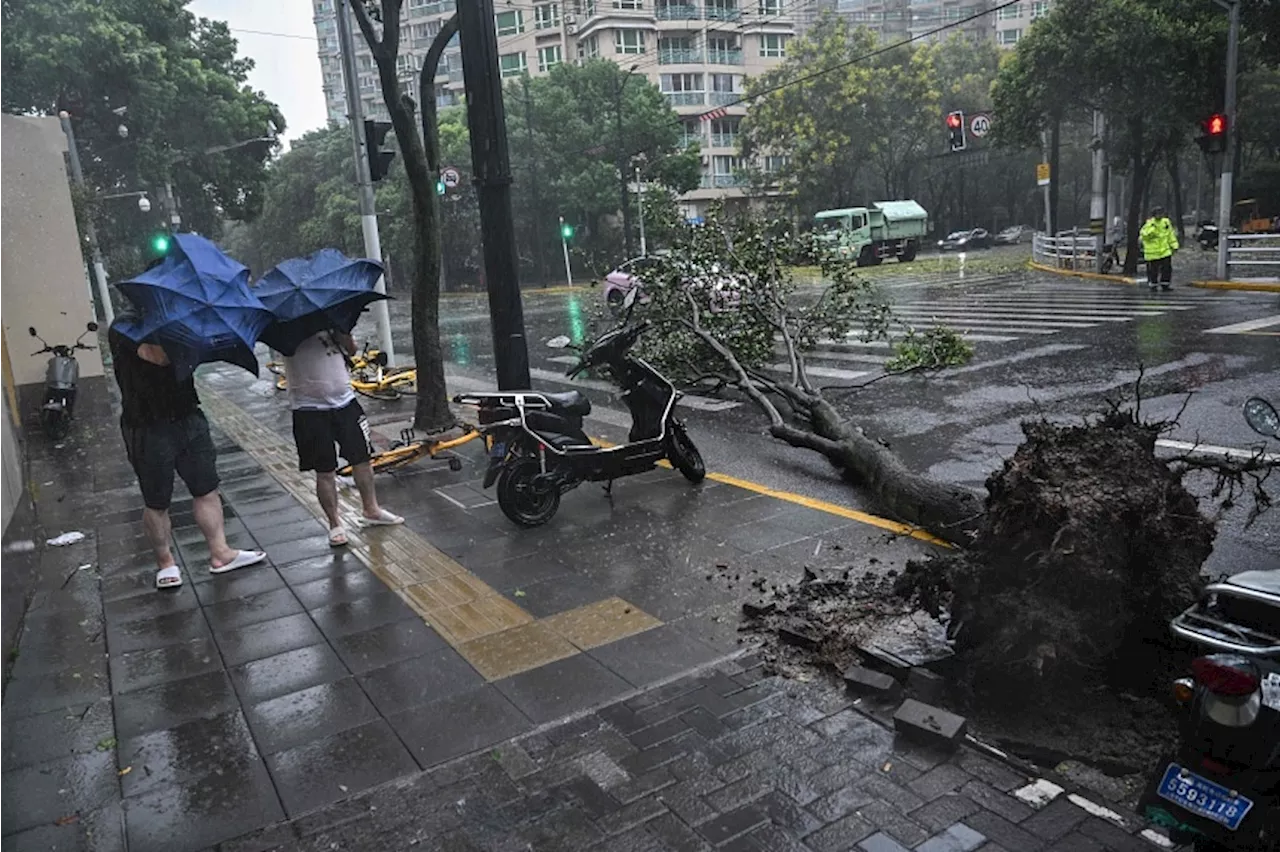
(1098, 200)
(533, 183)
(491, 163)
(644, 249)
(623, 177)
(564, 244)
(171, 208)
(1048, 215)
(95, 253)
(368, 214)
(1229, 155)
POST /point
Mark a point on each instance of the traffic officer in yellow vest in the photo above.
(1159, 242)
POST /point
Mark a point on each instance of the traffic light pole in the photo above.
(564, 245)
(1229, 155)
(491, 163)
(368, 214)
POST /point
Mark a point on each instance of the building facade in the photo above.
(895, 20)
(699, 53)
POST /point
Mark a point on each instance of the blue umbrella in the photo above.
(323, 291)
(196, 304)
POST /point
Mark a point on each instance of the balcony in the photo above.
(677, 99)
(678, 12)
(693, 139)
(723, 98)
(724, 181)
(732, 56)
(679, 56)
(722, 13)
(724, 140)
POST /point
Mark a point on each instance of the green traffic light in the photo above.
(566, 231)
(160, 243)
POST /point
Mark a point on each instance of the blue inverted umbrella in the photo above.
(196, 304)
(321, 292)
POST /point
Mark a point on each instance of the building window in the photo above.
(680, 82)
(723, 10)
(406, 63)
(628, 4)
(1039, 9)
(546, 16)
(509, 23)
(323, 6)
(1008, 37)
(771, 8)
(775, 163)
(512, 64)
(589, 47)
(773, 45)
(628, 41)
(586, 7)
(548, 57)
(1009, 12)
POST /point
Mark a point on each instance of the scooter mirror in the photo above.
(31, 330)
(558, 342)
(1262, 417)
(630, 299)
(92, 326)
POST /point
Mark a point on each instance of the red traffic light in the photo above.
(955, 120)
(1216, 125)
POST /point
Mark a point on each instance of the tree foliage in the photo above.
(182, 86)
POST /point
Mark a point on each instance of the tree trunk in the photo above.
(1175, 181)
(432, 412)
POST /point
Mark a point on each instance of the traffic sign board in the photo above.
(450, 177)
(980, 124)
(1042, 174)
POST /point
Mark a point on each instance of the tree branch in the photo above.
(366, 29)
(427, 94)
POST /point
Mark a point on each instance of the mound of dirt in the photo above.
(1089, 545)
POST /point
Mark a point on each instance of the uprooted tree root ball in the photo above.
(1089, 545)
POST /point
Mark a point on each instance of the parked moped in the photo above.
(61, 378)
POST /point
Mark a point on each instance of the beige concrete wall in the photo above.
(42, 272)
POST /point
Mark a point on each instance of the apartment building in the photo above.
(698, 52)
(919, 19)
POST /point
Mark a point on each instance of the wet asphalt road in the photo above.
(1044, 346)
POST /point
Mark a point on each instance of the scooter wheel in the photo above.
(57, 424)
(518, 498)
(684, 455)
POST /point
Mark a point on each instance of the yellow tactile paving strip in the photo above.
(492, 633)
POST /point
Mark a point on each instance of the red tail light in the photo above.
(1226, 674)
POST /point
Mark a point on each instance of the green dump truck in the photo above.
(871, 234)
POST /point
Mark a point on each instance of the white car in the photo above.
(726, 291)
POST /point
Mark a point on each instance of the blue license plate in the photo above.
(499, 450)
(1203, 797)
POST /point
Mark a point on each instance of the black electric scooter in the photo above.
(538, 450)
(60, 380)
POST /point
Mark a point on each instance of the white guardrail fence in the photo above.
(1253, 256)
(1069, 250)
(1250, 257)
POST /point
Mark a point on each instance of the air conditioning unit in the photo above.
(573, 29)
(571, 19)
(706, 161)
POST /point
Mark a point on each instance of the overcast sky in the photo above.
(287, 69)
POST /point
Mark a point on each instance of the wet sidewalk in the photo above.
(264, 703)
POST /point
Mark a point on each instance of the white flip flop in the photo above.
(338, 537)
(244, 558)
(169, 578)
(384, 519)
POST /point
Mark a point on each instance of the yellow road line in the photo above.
(1080, 273)
(1251, 286)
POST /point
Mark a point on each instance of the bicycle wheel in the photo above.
(374, 390)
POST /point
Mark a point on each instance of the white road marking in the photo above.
(1095, 809)
(1228, 453)
(822, 372)
(563, 359)
(1039, 793)
(704, 403)
(990, 325)
(1102, 314)
(1248, 325)
(1023, 318)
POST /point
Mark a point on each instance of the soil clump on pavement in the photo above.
(1057, 614)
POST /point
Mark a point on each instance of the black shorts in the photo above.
(158, 450)
(316, 432)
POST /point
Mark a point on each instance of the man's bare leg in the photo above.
(363, 475)
(327, 494)
(155, 523)
(208, 513)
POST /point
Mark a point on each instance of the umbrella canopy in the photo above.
(198, 305)
(323, 291)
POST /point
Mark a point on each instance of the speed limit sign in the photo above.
(980, 124)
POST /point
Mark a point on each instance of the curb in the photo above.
(1073, 273)
(1252, 286)
(525, 292)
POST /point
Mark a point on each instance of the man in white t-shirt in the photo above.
(326, 417)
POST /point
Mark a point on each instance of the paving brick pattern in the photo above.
(789, 767)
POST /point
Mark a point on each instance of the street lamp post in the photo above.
(99, 268)
(623, 177)
(1229, 155)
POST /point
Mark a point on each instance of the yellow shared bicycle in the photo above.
(411, 448)
(370, 375)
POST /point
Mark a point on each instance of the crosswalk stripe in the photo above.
(702, 403)
(1064, 312)
(964, 327)
(836, 355)
(821, 372)
(1005, 315)
(949, 319)
(1247, 325)
(1055, 303)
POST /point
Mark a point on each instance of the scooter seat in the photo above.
(571, 402)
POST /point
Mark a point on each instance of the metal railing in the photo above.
(1258, 254)
(724, 181)
(1074, 249)
(720, 13)
(723, 98)
(679, 56)
(718, 56)
(678, 12)
(686, 98)
(724, 140)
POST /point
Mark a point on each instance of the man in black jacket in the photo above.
(165, 432)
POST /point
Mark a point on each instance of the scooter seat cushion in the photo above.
(572, 402)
